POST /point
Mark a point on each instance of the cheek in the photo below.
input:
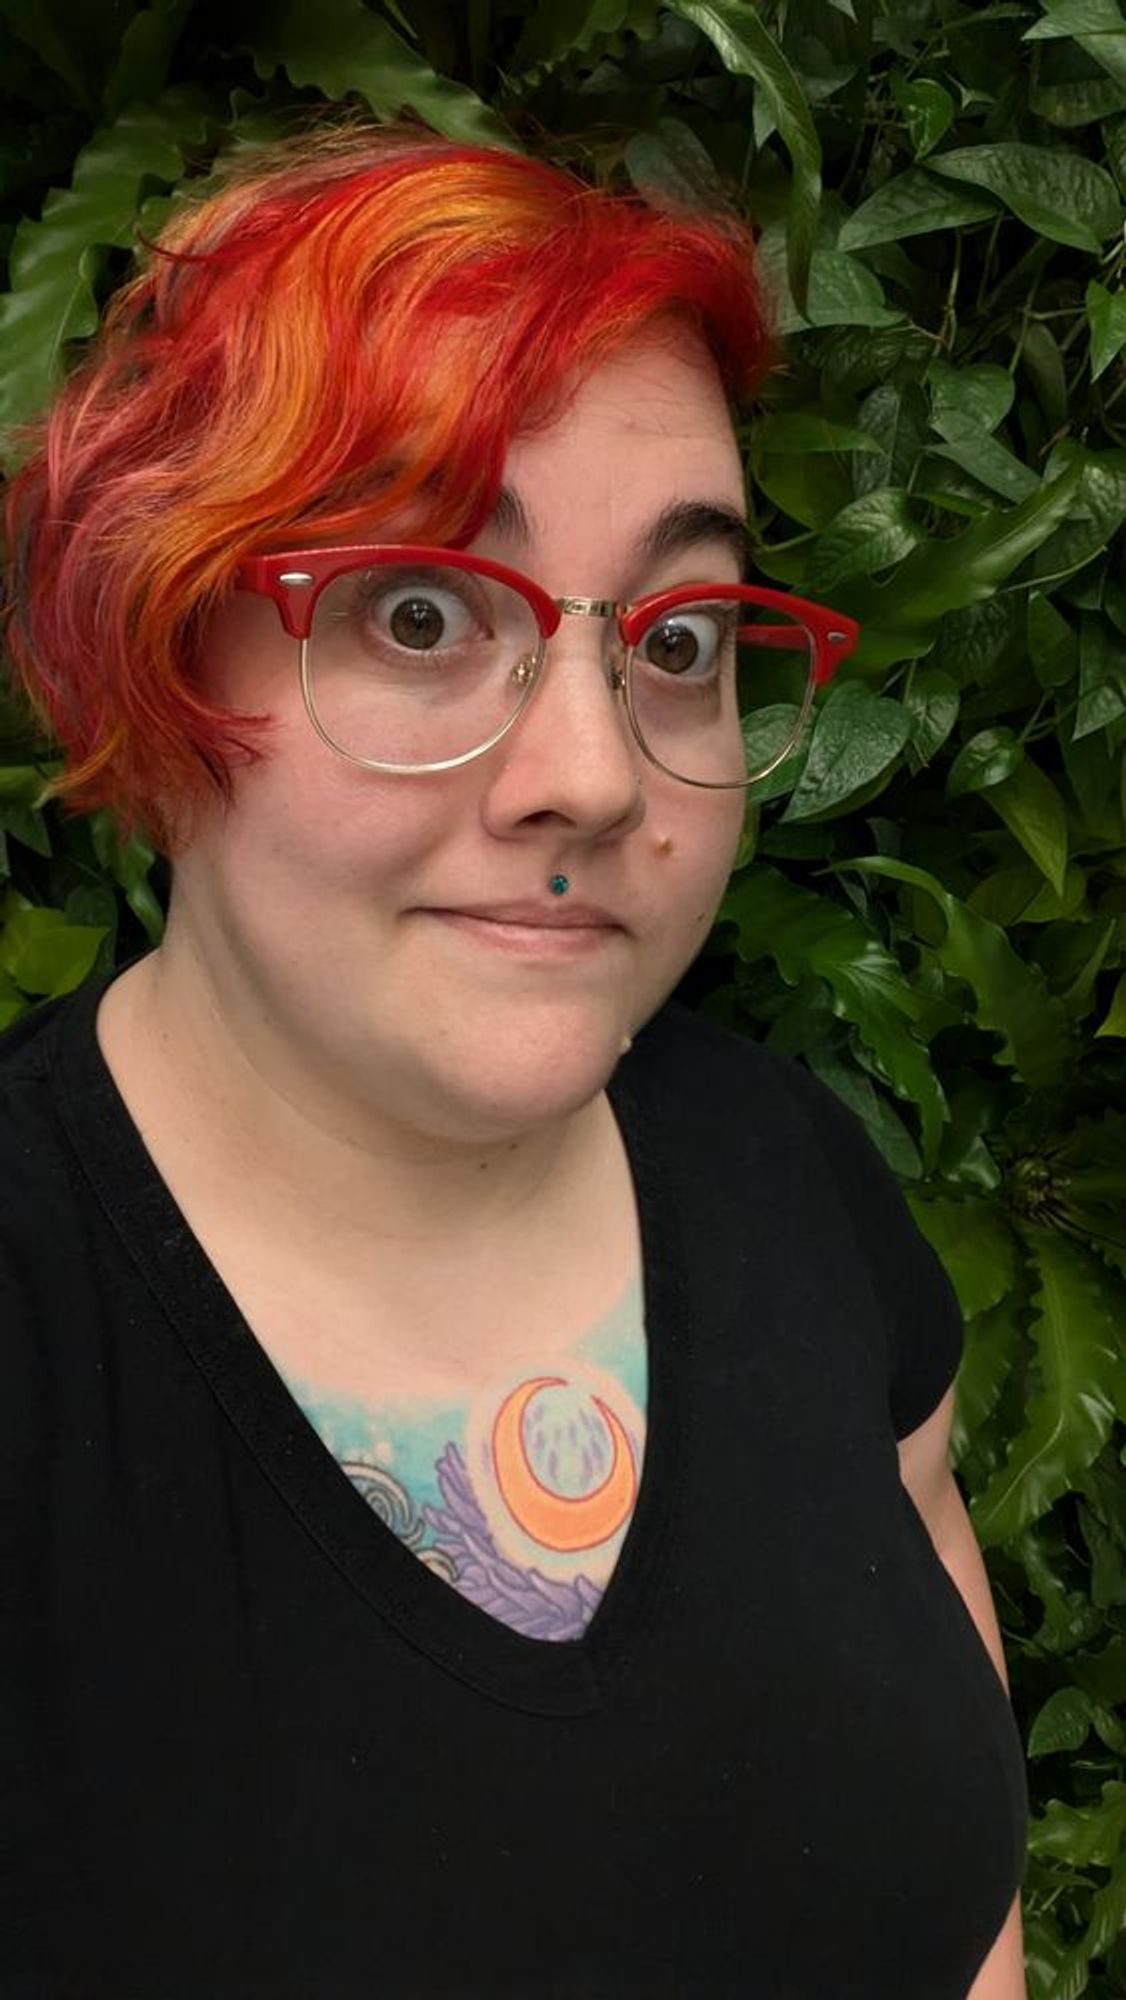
(702, 834)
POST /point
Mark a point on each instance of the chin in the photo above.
(509, 1078)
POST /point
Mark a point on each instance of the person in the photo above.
(455, 1535)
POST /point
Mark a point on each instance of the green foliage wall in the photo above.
(931, 903)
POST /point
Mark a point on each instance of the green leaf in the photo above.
(931, 699)
(1106, 316)
(1043, 362)
(806, 430)
(1076, 1335)
(767, 734)
(987, 759)
(1096, 26)
(672, 165)
(896, 418)
(145, 56)
(340, 47)
(857, 738)
(810, 490)
(885, 1128)
(30, 20)
(805, 933)
(1056, 194)
(1102, 676)
(1010, 996)
(1097, 513)
(1114, 1020)
(1053, 647)
(913, 204)
(928, 110)
(868, 535)
(746, 48)
(841, 292)
(1076, 17)
(1035, 815)
(975, 1241)
(962, 570)
(55, 261)
(978, 397)
(571, 27)
(45, 955)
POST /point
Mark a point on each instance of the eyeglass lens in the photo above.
(419, 665)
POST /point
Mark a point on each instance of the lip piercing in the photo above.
(559, 885)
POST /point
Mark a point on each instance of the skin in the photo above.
(394, 1086)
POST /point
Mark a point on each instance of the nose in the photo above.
(572, 755)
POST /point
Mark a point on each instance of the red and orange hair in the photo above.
(348, 333)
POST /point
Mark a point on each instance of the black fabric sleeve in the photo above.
(923, 1323)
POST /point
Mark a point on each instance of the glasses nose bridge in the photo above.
(606, 608)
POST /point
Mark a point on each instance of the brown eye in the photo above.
(417, 622)
(685, 642)
(673, 647)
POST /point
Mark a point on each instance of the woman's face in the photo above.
(326, 915)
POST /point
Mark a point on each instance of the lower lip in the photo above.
(532, 940)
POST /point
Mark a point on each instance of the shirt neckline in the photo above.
(541, 1676)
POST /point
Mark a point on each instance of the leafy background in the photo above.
(930, 906)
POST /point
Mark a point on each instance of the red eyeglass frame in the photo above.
(294, 578)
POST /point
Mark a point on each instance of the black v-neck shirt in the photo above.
(252, 1746)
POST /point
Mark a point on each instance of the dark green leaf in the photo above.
(1010, 996)
(857, 738)
(31, 21)
(341, 47)
(842, 291)
(805, 933)
(987, 759)
(928, 111)
(807, 431)
(147, 47)
(55, 261)
(1102, 676)
(897, 420)
(978, 397)
(1097, 513)
(1053, 647)
(671, 164)
(914, 204)
(931, 699)
(810, 490)
(571, 27)
(1076, 1335)
(1034, 813)
(965, 569)
(868, 535)
(1106, 316)
(1114, 1020)
(1060, 195)
(975, 1241)
(1044, 364)
(736, 30)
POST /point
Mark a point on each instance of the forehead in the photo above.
(660, 391)
(644, 441)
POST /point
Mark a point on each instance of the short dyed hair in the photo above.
(346, 332)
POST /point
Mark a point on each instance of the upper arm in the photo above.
(926, 1472)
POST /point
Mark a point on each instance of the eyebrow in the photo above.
(682, 525)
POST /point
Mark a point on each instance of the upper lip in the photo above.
(542, 916)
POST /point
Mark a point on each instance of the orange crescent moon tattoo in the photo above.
(559, 1520)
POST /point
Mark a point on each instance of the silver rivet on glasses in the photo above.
(296, 576)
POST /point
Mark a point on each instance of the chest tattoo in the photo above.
(518, 1494)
